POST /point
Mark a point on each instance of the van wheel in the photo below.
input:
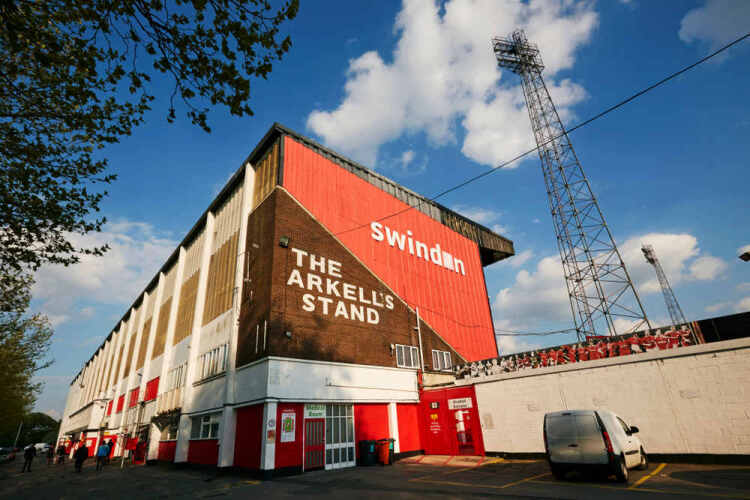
(558, 472)
(621, 470)
(644, 461)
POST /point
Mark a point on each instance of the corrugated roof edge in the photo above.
(276, 130)
(315, 145)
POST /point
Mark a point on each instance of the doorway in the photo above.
(314, 443)
(339, 436)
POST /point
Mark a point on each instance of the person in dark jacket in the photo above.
(50, 455)
(28, 456)
(61, 454)
(81, 454)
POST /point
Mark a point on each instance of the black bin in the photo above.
(367, 453)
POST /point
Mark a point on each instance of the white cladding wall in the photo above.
(691, 400)
(288, 379)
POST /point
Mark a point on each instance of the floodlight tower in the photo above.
(675, 312)
(599, 286)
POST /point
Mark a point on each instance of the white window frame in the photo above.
(213, 362)
(205, 426)
(441, 360)
(176, 377)
(407, 351)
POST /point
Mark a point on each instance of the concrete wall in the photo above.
(688, 400)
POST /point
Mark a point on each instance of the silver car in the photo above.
(595, 439)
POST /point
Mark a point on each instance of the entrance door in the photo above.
(339, 436)
(463, 432)
(315, 441)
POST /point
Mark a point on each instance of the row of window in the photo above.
(212, 362)
(407, 356)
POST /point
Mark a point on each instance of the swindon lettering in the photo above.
(331, 296)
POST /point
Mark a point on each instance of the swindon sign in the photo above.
(407, 243)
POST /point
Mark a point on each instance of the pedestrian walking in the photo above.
(81, 454)
(61, 454)
(28, 456)
(110, 445)
(50, 455)
(101, 455)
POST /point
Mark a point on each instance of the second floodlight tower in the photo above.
(599, 286)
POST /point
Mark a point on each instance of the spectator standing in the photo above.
(50, 455)
(81, 454)
(110, 445)
(61, 454)
(101, 455)
(28, 456)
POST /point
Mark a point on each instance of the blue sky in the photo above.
(411, 89)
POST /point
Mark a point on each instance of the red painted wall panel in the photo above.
(439, 427)
(203, 451)
(370, 422)
(455, 305)
(408, 427)
(133, 397)
(248, 437)
(289, 454)
(120, 402)
(152, 389)
(109, 407)
(167, 451)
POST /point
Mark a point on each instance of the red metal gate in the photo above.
(315, 443)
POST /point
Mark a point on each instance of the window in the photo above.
(441, 360)
(152, 389)
(133, 397)
(169, 433)
(407, 356)
(212, 362)
(120, 403)
(624, 426)
(205, 426)
(176, 377)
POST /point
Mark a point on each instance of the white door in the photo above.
(340, 436)
(631, 445)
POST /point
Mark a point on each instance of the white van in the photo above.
(596, 439)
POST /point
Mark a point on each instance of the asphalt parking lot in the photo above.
(429, 478)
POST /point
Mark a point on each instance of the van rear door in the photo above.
(575, 439)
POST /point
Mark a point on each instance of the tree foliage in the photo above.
(76, 76)
(24, 344)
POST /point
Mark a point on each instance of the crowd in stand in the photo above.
(593, 348)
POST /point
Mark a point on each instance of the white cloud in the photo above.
(53, 413)
(540, 295)
(484, 216)
(716, 23)
(407, 157)
(679, 256)
(718, 307)
(135, 255)
(707, 268)
(443, 73)
(535, 220)
(743, 305)
(744, 249)
(517, 260)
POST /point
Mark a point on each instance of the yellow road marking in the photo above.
(475, 485)
(647, 490)
(463, 469)
(647, 477)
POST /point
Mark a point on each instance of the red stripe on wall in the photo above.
(248, 437)
(167, 451)
(370, 422)
(455, 305)
(408, 427)
(203, 452)
(289, 454)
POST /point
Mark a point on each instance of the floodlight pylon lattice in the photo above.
(599, 286)
(673, 307)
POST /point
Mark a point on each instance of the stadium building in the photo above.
(306, 310)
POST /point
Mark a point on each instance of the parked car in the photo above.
(7, 454)
(592, 439)
(42, 448)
